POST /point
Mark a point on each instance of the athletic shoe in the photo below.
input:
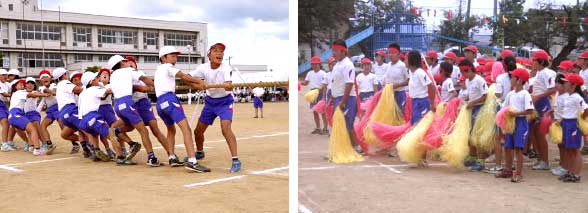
(532, 154)
(469, 161)
(477, 166)
(14, 147)
(153, 162)
(584, 150)
(124, 162)
(199, 155)
(27, 145)
(571, 179)
(316, 131)
(6, 147)
(566, 175)
(175, 162)
(358, 149)
(559, 171)
(75, 149)
(324, 132)
(111, 154)
(135, 148)
(195, 167)
(101, 155)
(38, 152)
(541, 166)
(491, 159)
(50, 148)
(124, 151)
(236, 166)
(494, 170)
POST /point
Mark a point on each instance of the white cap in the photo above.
(3, 72)
(13, 72)
(167, 50)
(115, 59)
(87, 77)
(30, 79)
(58, 72)
(71, 75)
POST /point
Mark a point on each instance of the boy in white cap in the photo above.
(257, 100)
(124, 106)
(218, 102)
(17, 116)
(4, 95)
(169, 108)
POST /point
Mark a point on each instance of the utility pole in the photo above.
(469, 7)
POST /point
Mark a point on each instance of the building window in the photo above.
(151, 59)
(38, 32)
(151, 38)
(184, 60)
(103, 58)
(37, 60)
(82, 58)
(10, 7)
(178, 39)
(116, 37)
(3, 30)
(82, 34)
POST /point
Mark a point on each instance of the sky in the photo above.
(255, 31)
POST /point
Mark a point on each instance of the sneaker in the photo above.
(541, 166)
(6, 147)
(153, 162)
(88, 154)
(236, 166)
(111, 154)
(102, 156)
(494, 170)
(31, 148)
(584, 150)
(135, 148)
(50, 148)
(124, 162)
(12, 145)
(38, 152)
(566, 175)
(124, 151)
(27, 145)
(491, 159)
(175, 162)
(559, 171)
(195, 167)
(316, 131)
(469, 161)
(358, 149)
(199, 155)
(532, 154)
(572, 179)
(477, 166)
(325, 132)
(75, 149)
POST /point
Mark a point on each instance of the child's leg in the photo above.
(576, 158)
(68, 134)
(509, 159)
(519, 157)
(185, 128)
(23, 136)
(5, 127)
(160, 137)
(171, 138)
(37, 126)
(34, 139)
(199, 135)
(105, 143)
(144, 136)
(498, 149)
(43, 132)
(541, 143)
(256, 109)
(562, 157)
(316, 120)
(229, 136)
(324, 117)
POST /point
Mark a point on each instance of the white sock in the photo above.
(192, 160)
(171, 157)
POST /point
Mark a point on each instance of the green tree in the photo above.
(92, 69)
(458, 28)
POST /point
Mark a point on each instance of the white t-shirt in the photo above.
(30, 104)
(455, 74)
(258, 91)
(418, 84)
(463, 94)
(380, 71)
(165, 79)
(51, 100)
(520, 101)
(476, 88)
(315, 78)
(503, 85)
(4, 88)
(435, 69)
(573, 104)
(343, 73)
(559, 103)
(544, 80)
(122, 84)
(90, 100)
(108, 99)
(219, 75)
(396, 74)
(366, 82)
(446, 89)
(64, 94)
(327, 80)
(18, 99)
(138, 95)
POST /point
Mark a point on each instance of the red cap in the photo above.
(331, 60)
(480, 69)
(459, 60)
(490, 60)
(437, 78)
(77, 75)
(541, 54)
(506, 53)
(521, 73)
(131, 58)
(315, 60)
(584, 54)
(450, 55)
(44, 72)
(471, 48)
(462, 78)
(488, 67)
(403, 56)
(566, 65)
(528, 62)
(218, 45)
(519, 60)
(432, 54)
(488, 79)
(481, 61)
(366, 61)
(381, 53)
(574, 79)
(104, 69)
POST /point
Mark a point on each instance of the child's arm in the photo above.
(432, 95)
(141, 88)
(546, 94)
(526, 112)
(77, 90)
(191, 81)
(477, 101)
(35, 94)
(148, 82)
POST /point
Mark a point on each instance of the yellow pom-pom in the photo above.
(555, 133)
(340, 149)
(455, 145)
(410, 147)
(582, 123)
(509, 126)
(484, 130)
(312, 95)
(386, 112)
(440, 109)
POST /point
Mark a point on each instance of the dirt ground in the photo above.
(69, 183)
(384, 184)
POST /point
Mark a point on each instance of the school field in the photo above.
(384, 184)
(69, 183)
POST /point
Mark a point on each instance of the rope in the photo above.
(257, 84)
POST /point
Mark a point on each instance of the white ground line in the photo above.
(389, 168)
(12, 169)
(40, 161)
(303, 208)
(262, 172)
(380, 165)
(268, 170)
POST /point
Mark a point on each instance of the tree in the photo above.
(457, 28)
(92, 69)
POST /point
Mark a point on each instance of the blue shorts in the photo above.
(213, 107)
(107, 113)
(3, 110)
(349, 110)
(572, 138)
(475, 110)
(169, 109)
(320, 96)
(541, 106)
(143, 106)
(519, 138)
(400, 98)
(363, 96)
(329, 95)
(257, 102)
(52, 112)
(69, 116)
(18, 119)
(125, 110)
(420, 107)
(33, 116)
(94, 124)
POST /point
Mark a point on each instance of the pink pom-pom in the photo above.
(358, 127)
(329, 111)
(545, 123)
(408, 108)
(389, 134)
(501, 117)
(320, 107)
(442, 125)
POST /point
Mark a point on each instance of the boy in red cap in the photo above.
(314, 79)
(566, 66)
(582, 62)
(470, 52)
(380, 68)
(366, 81)
(520, 100)
(432, 61)
(543, 87)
